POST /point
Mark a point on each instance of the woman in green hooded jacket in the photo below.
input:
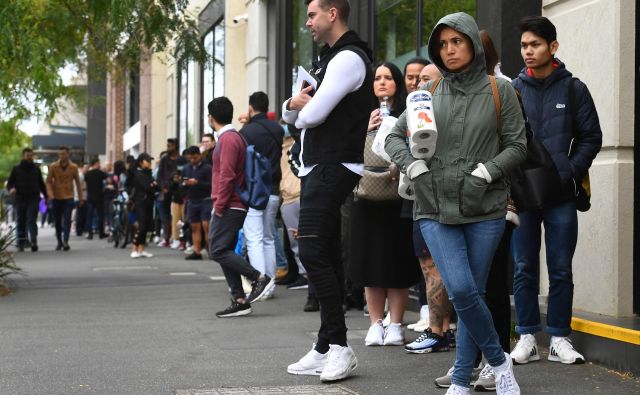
(461, 191)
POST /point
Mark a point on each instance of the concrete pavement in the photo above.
(94, 321)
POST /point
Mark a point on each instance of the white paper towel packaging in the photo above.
(421, 123)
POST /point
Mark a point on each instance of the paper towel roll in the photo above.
(405, 188)
(423, 133)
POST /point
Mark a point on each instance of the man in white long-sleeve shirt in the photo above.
(334, 123)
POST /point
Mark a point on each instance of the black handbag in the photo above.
(536, 184)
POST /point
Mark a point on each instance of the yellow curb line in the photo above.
(606, 331)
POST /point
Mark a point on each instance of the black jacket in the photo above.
(95, 185)
(266, 136)
(26, 178)
(144, 186)
(202, 173)
(340, 139)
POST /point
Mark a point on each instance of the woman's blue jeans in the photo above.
(463, 256)
(561, 236)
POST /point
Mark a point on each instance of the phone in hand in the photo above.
(306, 84)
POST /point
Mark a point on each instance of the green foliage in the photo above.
(13, 141)
(8, 266)
(40, 37)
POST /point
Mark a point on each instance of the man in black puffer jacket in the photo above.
(561, 111)
(27, 184)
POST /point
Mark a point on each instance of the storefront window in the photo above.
(213, 71)
(303, 45)
(397, 35)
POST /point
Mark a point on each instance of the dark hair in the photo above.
(210, 135)
(64, 148)
(259, 101)
(540, 26)
(172, 141)
(491, 57)
(193, 150)
(27, 149)
(94, 161)
(400, 97)
(342, 6)
(221, 109)
(416, 60)
(130, 159)
(119, 167)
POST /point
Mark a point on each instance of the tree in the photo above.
(13, 141)
(40, 37)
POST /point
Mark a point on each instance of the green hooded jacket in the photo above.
(468, 134)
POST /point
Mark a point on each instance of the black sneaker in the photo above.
(259, 288)
(34, 248)
(235, 310)
(451, 338)
(20, 249)
(90, 236)
(59, 247)
(426, 343)
(65, 246)
(312, 304)
(194, 256)
(300, 283)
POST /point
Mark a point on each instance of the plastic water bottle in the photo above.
(384, 107)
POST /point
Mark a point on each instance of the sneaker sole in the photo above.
(352, 366)
(236, 314)
(426, 351)
(266, 290)
(306, 286)
(532, 359)
(484, 388)
(308, 372)
(373, 344)
(577, 361)
(441, 385)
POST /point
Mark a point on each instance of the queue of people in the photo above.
(431, 209)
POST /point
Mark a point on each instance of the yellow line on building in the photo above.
(606, 331)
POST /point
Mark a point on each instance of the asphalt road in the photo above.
(94, 321)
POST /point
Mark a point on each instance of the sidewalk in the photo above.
(94, 321)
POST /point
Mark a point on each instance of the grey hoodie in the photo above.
(468, 134)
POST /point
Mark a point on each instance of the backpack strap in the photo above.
(496, 100)
(432, 90)
(275, 140)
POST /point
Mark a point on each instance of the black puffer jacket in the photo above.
(26, 178)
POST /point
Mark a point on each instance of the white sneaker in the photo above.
(157, 239)
(311, 364)
(175, 244)
(375, 336)
(188, 250)
(455, 389)
(486, 381)
(505, 379)
(394, 336)
(136, 255)
(145, 254)
(561, 350)
(422, 326)
(340, 364)
(424, 318)
(526, 350)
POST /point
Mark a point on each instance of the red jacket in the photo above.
(228, 171)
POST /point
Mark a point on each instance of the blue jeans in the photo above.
(463, 256)
(62, 216)
(561, 235)
(27, 221)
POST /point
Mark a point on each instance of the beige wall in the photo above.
(597, 44)
(235, 81)
(158, 104)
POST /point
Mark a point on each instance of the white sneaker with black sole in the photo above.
(561, 350)
(526, 350)
(340, 364)
(312, 364)
(235, 310)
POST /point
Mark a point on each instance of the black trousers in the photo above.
(324, 190)
(95, 208)
(27, 213)
(223, 237)
(144, 217)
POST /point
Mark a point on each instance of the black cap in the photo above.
(145, 156)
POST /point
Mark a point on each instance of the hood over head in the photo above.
(465, 24)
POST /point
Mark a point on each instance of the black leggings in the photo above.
(144, 217)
